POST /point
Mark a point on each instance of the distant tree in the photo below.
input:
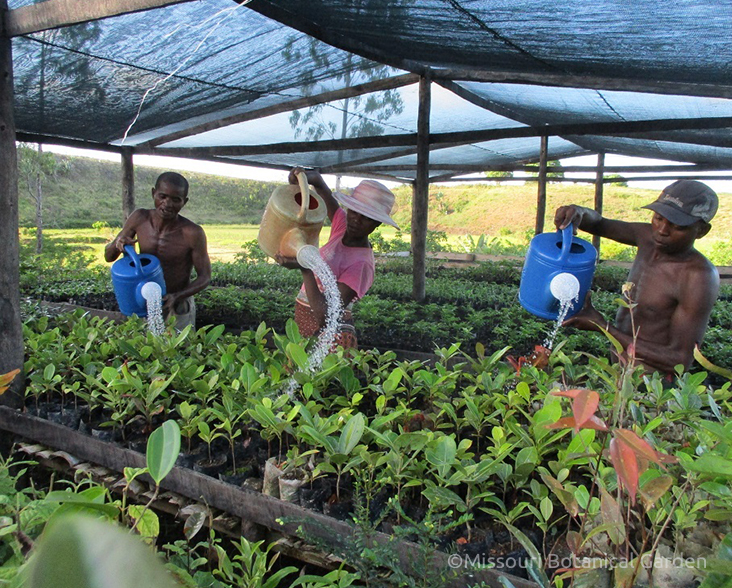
(498, 175)
(552, 163)
(618, 180)
(35, 166)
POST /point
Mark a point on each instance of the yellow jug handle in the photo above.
(302, 178)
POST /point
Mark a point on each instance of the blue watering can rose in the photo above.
(558, 266)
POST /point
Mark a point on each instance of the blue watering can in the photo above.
(557, 266)
(129, 274)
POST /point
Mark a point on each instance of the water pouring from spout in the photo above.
(565, 287)
(153, 295)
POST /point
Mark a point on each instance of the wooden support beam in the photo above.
(541, 192)
(65, 142)
(598, 194)
(52, 14)
(420, 202)
(584, 81)
(304, 102)
(455, 138)
(616, 169)
(11, 329)
(128, 182)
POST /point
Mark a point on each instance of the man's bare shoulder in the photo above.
(191, 229)
(138, 216)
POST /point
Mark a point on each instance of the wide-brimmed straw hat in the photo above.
(371, 199)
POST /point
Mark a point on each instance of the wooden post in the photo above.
(128, 182)
(599, 177)
(541, 195)
(420, 200)
(11, 330)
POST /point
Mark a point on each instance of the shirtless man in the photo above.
(674, 286)
(178, 243)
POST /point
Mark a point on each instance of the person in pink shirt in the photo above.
(347, 252)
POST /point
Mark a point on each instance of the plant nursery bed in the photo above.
(253, 508)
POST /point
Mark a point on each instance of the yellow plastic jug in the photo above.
(293, 218)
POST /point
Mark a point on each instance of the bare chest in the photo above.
(656, 288)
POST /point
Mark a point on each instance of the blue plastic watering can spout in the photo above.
(130, 250)
(566, 243)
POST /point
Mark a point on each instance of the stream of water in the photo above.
(309, 257)
(565, 288)
(153, 296)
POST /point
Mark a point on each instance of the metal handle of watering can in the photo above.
(566, 242)
(130, 250)
(302, 179)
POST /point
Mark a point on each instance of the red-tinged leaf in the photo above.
(666, 458)
(630, 350)
(641, 447)
(563, 423)
(584, 407)
(566, 393)
(595, 423)
(626, 466)
(652, 490)
(574, 541)
(612, 516)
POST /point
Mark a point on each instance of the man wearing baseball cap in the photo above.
(674, 287)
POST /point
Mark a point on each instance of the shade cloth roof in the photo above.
(274, 83)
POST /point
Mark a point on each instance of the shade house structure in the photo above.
(405, 90)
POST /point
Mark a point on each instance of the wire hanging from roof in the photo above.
(182, 64)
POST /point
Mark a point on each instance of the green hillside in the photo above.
(510, 209)
(84, 191)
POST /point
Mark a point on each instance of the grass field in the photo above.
(465, 212)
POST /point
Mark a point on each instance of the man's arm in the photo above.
(594, 223)
(201, 263)
(126, 236)
(688, 323)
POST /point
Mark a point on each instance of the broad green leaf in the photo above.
(49, 372)
(531, 550)
(724, 554)
(82, 552)
(351, 433)
(708, 365)
(147, 522)
(163, 448)
(443, 497)
(708, 463)
(442, 454)
(298, 355)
